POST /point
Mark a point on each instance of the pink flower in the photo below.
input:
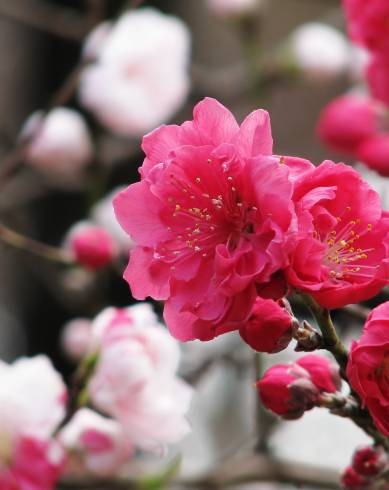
(90, 245)
(370, 461)
(377, 75)
(269, 328)
(35, 465)
(32, 405)
(135, 379)
(61, 141)
(374, 153)
(367, 368)
(140, 77)
(368, 23)
(95, 443)
(212, 219)
(347, 121)
(352, 480)
(341, 254)
(287, 390)
(324, 373)
(75, 338)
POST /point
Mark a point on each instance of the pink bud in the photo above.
(347, 121)
(269, 328)
(374, 153)
(324, 374)
(369, 460)
(60, 141)
(90, 245)
(353, 480)
(287, 391)
(76, 338)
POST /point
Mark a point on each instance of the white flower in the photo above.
(319, 50)
(61, 141)
(140, 77)
(227, 8)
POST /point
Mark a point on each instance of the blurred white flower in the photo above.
(103, 215)
(32, 404)
(230, 8)
(61, 142)
(76, 337)
(94, 42)
(135, 379)
(140, 77)
(95, 444)
(319, 50)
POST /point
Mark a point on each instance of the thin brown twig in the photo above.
(22, 242)
(54, 19)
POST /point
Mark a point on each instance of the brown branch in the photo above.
(42, 15)
(22, 242)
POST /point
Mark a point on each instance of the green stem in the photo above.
(331, 340)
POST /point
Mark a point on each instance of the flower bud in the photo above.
(374, 153)
(347, 121)
(76, 338)
(90, 245)
(319, 50)
(377, 75)
(369, 460)
(323, 373)
(269, 328)
(352, 480)
(287, 391)
(60, 141)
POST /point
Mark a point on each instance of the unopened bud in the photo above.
(369, 460)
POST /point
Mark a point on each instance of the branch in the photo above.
(42, 15)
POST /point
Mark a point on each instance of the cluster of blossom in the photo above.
(357, 125)
(224, 230)
(139, 400)
(368, 463)
(219, 221)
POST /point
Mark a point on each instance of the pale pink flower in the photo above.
(32, 404)
(229, 8)
(61, 142)
(135, 379)
(96, 444)
(76, 338)
(140, 78)
(212, 219)
(90, 245)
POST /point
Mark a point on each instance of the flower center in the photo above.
(343, 257)
(206, 210)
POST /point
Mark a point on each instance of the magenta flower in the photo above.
(341, 255)
(212, 218)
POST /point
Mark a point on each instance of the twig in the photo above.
(17, 240)
(42, 15)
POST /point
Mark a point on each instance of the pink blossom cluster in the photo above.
(141, 401)
(136, 402)
(357, 125)
(368, 462)
(222, 224)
